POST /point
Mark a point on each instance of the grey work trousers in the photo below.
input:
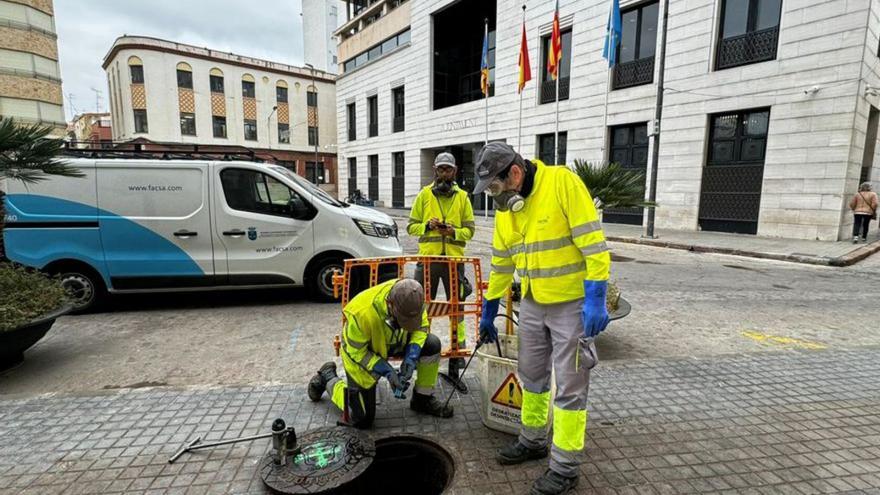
(551, 339)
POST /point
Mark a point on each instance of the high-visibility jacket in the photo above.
(455, 210)
(367, 339)
(554, 243)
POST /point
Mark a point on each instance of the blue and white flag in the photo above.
(612, 34)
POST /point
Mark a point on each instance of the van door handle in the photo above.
(234, 233)
(185, 234)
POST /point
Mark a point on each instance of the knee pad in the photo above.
(432, 345)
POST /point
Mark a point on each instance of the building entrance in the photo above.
(465, 157)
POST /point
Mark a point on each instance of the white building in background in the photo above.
(769, 119)
(320, 20)
(170, 92)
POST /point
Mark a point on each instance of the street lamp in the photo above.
(269, 126)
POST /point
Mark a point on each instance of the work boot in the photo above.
(553, 483)
(855, 240)
(428, 404)
(456, 365)
(517, 453)
(319, 382)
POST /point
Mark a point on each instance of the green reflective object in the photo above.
(318, 454)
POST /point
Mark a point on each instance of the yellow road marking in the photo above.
(785, 341)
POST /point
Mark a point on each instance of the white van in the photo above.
(159, 225)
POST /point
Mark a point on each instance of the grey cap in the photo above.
(493, 159)
(407, 298)
(444, 158)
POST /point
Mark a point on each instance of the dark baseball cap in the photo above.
(493, 159)
(407, 298)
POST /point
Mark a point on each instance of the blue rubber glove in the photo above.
(385, 369)
(411, 357)
(488, 332)
(594, 313)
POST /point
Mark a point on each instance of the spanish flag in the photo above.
(555, 56)
(525, 69)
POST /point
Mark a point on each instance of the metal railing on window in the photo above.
(749, 48)
(352, 184)
(373, 188)
(397, 191)
(374, 129)
(634, 73)
(397, 124)
(548, 90)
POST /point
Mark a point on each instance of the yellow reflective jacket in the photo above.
(554, 243)
(454, 210)
(367, 339)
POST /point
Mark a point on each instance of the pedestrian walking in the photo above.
(548, 231)
(864, 207)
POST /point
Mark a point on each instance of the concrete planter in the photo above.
(14, 342)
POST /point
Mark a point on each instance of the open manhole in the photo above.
(404, 462)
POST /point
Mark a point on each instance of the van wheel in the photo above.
(85, 289)
(320, 280)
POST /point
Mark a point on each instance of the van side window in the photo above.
(256, 192)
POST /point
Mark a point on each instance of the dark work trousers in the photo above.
(860, 225)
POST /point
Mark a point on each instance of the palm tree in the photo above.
(612, 185)
(28, 155)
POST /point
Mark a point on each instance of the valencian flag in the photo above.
(525, 69)
(554, 58)
(484, 65)
(612, 34)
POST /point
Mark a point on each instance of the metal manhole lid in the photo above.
(330, 458)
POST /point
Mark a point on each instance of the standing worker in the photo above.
(388, 319)
(546, 230)
(443, 219)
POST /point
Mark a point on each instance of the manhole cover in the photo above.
(329, 460)
(404, 462)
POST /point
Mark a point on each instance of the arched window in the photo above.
(184, 76)
(281, 91)
(217, 85)
(248, 88)
(136, 69)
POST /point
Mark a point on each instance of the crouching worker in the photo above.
(384, 321)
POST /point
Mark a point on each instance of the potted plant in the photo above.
(29, 301)
(612, 186)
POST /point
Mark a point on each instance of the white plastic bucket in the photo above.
(502, 390)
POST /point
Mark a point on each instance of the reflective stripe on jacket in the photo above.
(455, 210)
(554, 243)
(367, 338)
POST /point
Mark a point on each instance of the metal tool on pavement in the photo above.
(283, 441)
(461, 375)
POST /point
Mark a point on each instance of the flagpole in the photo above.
(556, 134)
(607, 90)
(519, 123)
(486, 98)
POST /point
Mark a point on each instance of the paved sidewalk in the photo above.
(788, 422)
(841, 253)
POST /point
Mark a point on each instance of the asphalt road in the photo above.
(684, 304)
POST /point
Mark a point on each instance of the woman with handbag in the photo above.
(864, 207)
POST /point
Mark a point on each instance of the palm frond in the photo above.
(28, 155)
(612, 185)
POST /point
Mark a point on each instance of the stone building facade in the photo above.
(30, 79)
(770, 110)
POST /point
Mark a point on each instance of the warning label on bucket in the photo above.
(509, 393)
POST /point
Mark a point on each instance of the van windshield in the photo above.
(309, 187)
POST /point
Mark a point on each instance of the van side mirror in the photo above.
(298, 208)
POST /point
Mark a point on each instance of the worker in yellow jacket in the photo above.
(443, 219)
(386, 320)
(547, 231)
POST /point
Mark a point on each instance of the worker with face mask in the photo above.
(386, 320)
(443, 219)
(548, 232)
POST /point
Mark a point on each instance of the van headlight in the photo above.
(374, 229)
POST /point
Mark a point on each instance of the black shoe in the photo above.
(319, 382)
(456, 366)
(553, 483)
(517, 453)
(428, 404)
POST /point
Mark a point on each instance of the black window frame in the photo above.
(352, 174)
(373, 177)
(312, 168)
(640, 70)
(373, 116)
(219, 125)
(398, 109)
(351, 116)
(739, 138)
(250, 124)
(398, 179)
(248, 89)
(136, 74)
(141, 126)
(217, 84)
(312, 98)
(750, 47)
(259, 207)
(184, 79)
(313, 136)
(187, 124)
(282, 129)
(563, 148)
(281, 94)
(548, 85)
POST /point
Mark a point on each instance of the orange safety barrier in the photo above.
(453, 308)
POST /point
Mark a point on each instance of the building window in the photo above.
(219, 124)
(184, 79)
(548, 85)
(629, 148)
(375, 52)
(187, 124)
(749, 32)
(247, 89)
(373, 178)
(281, 94)
(398, 181)
(352, 175)
(137, 74)
(250, 130)
(351, 115)
(313, 136)
(140, 121)
(373, 115)
(546, 149)
(216, 84)
(458, 52)
(284, 133)
(312, 99)
(397, 105)
(638, 41)
(315, 173)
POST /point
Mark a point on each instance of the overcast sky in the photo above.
(268, 29)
